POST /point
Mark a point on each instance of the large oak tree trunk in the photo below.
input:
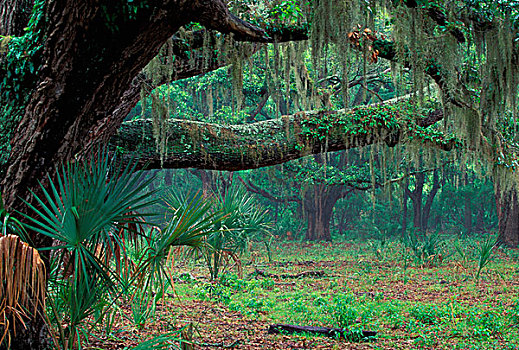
(74, 95)
(92, 52)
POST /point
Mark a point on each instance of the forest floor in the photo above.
(412, 301)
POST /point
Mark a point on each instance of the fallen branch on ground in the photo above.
(262, 273)
(326, 331)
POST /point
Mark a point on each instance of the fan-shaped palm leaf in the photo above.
(192, 220)
(88, 210)
(83, 209)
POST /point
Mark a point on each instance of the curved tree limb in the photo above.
(262, 192)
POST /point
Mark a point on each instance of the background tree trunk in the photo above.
(318, 206)
(508, 216)
(405, 199)
(430, 199)
(421, 211)
(467, 212)
(416, 200)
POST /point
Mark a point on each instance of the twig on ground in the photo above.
(219, 345)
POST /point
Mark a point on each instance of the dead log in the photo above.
(326, 331)
(263, 273)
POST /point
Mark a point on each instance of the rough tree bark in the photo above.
(14, 16)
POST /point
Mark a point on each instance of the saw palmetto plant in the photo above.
(192, 219)
(90, 210)
(232, 220)
(243, 221)
(95, 212)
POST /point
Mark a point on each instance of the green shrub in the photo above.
(344, 310)
(426, 248)
(428, 314)
(485, 324)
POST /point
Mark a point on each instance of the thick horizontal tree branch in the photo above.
(239, 147)
(195, 39)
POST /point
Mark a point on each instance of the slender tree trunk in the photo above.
(467, 212)
(206, 178)
(342, 223)
(480, 218)
(405, 199)
(430, 199)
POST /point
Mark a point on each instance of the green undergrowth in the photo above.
(406, 298)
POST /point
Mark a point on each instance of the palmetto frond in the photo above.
(84, 210)
(193, 218)
(90, 211)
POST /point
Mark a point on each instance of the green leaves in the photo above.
(192, 219)
(359, 121)
(286, 11)
(9, 224)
